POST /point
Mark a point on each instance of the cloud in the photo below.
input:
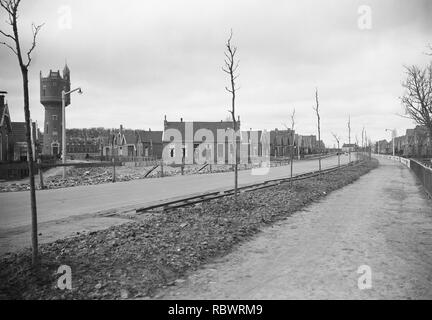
(140, 60)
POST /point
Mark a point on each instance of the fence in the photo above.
(423, 173)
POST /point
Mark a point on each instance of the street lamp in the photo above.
(64, 127)
(392, 131)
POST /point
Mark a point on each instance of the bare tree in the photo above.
(357, 146)
(316, 108)
(349, 137)
(13, 43)
(230, 67)
(417, 98)
(292, 143)
(337, 138)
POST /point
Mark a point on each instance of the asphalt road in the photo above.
(66, 202)
(369, 240)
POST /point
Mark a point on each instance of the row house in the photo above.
(383, 147)
(13, 139)
(132, 143)
(281, 142)
(211, 142)
(149, 143)
(415, 143)
(310, 145)
(197, 141)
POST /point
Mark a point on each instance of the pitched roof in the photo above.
(19, 131)
(150, 136)
(197, 125)
(5, 117)
(130, 137)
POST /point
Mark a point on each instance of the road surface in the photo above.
(67, 202)
(382, 221)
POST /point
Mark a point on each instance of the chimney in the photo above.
(121, 129)
(181, 119)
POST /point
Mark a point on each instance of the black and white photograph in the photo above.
(183, 152)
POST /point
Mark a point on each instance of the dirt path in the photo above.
(383, 220)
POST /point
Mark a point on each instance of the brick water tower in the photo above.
(51, 88)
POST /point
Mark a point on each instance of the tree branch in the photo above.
(35, 30)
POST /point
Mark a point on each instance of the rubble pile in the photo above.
(95, 175)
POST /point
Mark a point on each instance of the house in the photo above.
(349, 147)
(19, 140)
(198, 142)
(149, 143)
(383, 147)
(5, 129)
(281, 142)
(309, 145)
(121, 143)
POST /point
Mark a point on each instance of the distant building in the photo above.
(383, 147)
(349, 147)
(281, 142)
(51, 88)
(5, 129)
(149, 143)
(132, 143)
(121, 143)
(19, 140)
(310, 145)
(200, 143)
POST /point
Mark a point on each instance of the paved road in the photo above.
(384, 221)
(66, 202)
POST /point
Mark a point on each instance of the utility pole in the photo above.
(64, 127)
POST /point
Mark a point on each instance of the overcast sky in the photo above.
(140, 60)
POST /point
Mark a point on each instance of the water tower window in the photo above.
(54, 117)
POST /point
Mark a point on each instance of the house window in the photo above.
(220, 150)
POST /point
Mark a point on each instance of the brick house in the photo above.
(349, 147)
(5, 130)
(120, 143)
(280, 142)
(149, 143)
(19, 140)
(198, 141)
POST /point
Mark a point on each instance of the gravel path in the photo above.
(384, 220)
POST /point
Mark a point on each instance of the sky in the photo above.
(138, 61)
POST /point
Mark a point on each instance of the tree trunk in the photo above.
(30, 162)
